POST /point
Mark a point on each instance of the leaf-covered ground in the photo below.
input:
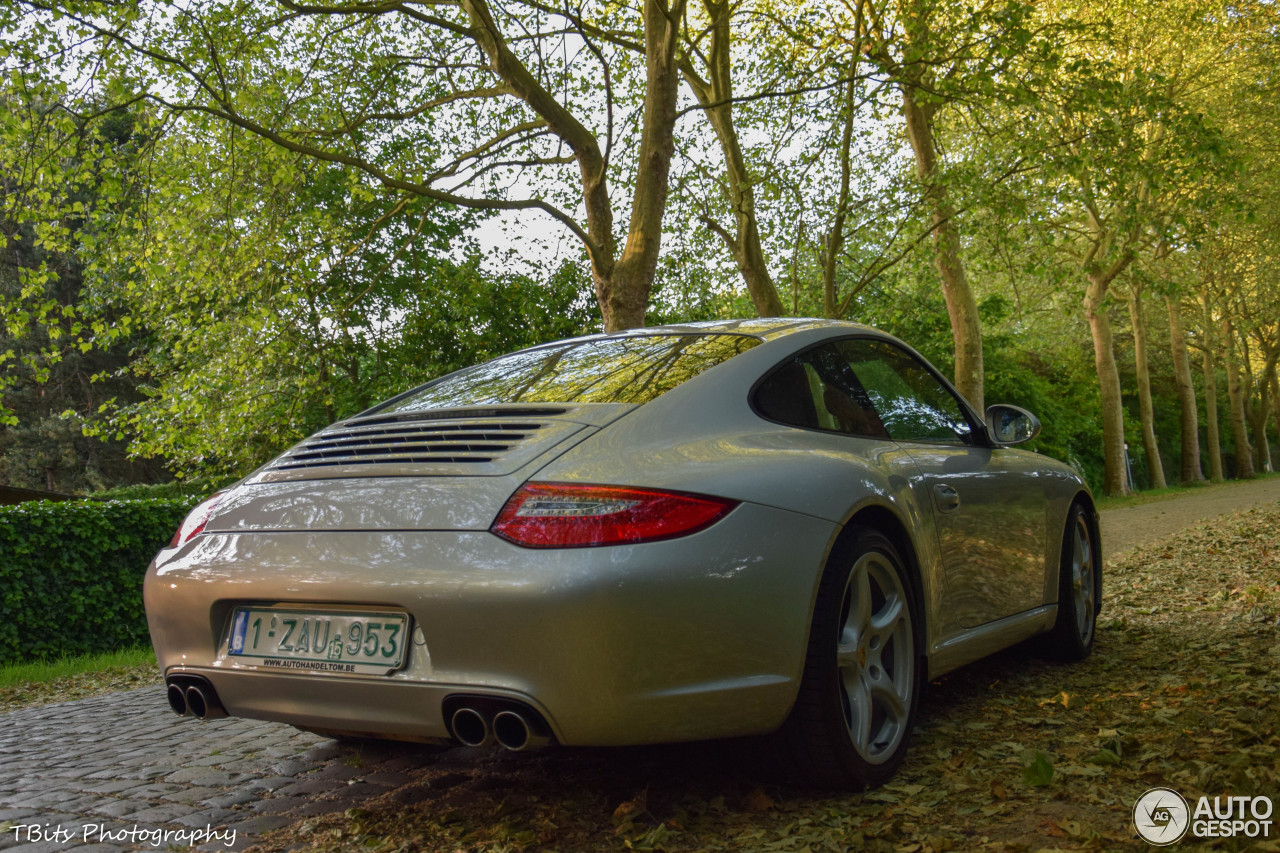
(1012, 754)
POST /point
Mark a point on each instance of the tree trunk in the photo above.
(1274, 385)
(1211, 420)
(962, 307)
(1260, 416)
(834, 240)
(1235, 393)
(622, 282)
(628, 291)
(1190, 471)
(715, 95)
(1155, 468)
(1115, 479)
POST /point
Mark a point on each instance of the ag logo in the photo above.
(1161, 816)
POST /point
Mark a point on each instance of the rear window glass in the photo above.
(633, 369)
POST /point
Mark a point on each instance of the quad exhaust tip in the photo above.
(197, 703)
(513, 730)
(178, 699)
(470, 727)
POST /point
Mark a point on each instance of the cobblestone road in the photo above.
(124, 762)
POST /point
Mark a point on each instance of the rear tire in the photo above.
(1079, 587)
(863, 672)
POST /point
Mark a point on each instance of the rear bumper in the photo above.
(692, 638)
(387, 707)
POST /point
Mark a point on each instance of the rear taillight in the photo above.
(195, 521)
(563, 515)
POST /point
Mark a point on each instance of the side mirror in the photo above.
(1010, 425)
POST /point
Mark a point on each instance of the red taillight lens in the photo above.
(563, 515)
(195, 521)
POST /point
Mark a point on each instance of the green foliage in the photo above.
(278, 296)
(229, 393)
(66, 181)
(190, 491)
(71, 574)
(1057, 387)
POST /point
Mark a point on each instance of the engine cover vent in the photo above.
(413, 443)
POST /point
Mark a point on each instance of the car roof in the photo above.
(765, 328)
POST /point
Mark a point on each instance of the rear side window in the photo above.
(631, 369)
(864, 387)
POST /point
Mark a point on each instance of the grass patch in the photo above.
(1151, 496)
(14, 674)
(25, 685)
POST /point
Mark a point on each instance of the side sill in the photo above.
(976, 643)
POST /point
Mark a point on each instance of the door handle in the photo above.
(946, 498)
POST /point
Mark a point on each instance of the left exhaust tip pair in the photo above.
(513, 728)
(194, 698)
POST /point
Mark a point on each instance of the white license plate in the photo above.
(319, 641)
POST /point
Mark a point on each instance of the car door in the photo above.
(989, 505)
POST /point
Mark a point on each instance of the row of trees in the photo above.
(280, 235)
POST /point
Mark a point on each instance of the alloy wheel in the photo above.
(875, 655)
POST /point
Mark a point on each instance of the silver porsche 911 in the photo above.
(766, 527)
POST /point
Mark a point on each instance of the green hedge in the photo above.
(71, 574)
(195, 490)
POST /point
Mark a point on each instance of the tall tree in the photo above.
(466, 103)
(924, 48)
(1151, 448)
(708, 68)
(1190, 470)
(1209, 368)
(1232, 356)
(1132, 154)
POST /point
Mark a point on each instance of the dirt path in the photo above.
(1128, 527)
